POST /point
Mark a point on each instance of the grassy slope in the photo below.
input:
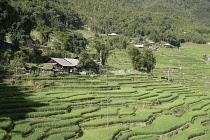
(185, 65)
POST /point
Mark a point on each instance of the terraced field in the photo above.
(185, 66)
(119, 107)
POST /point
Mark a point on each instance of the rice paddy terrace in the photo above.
(118, 107)
(185, 66)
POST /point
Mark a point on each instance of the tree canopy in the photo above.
(142, 58)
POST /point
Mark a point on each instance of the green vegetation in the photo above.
(170, 101)
(127, 105)
(142, 59)
(56, 28)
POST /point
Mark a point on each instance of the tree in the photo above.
(8, 16)
(102, 51)
(7, 56)
(69, 41)
(143, 58)
(86, 62)
(149, 59)
(136, 57)
(19, 61)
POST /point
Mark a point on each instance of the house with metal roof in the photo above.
(168, 45)
(113, 34)
(139, 46)
(62, 64)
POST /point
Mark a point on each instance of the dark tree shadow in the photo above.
(14, 105)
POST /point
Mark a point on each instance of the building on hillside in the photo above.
(168, 45)
(152, 43)
(62, 64)
(139, 46)
(113, 34)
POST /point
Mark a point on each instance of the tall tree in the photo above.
(143, 58)
(8, 16)
(102, 51)
(149, 59)
(86, 62)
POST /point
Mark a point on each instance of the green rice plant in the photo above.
(101, 122)
(169, 105)
(148, 96)
(123, 101)
(122, 91)
(200, 105)
(145, 85)
(72, 128)
(5, 122)
(191, 116)
(44, 114)
(16, 116)
(144, 137)
(165, 95)
(49, 78)
(206, 136)
(37, 121)
(169, 99)
(22, 129)
(87, 87)
(106, 133)
(20, 105)
(90, 102)
(58, 95)
(140, 116)
(38, 133)
(87, 82)
(58, 123)
(17, 110)
(74, 98)
(76, 113)
(191, 100)
(16, 136)
(116, 79)
(12, 100)
(195, 129)
(53, 107)
(110, 111)
(167, 123)
(126, 111)
(61, 136)
(3, 134)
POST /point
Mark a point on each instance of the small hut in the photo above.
(62, 64)
(139, 46)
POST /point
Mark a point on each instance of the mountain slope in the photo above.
(158, 20)
(197, 9)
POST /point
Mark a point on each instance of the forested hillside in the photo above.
(54, 24)
(197, 9)
(159, 20)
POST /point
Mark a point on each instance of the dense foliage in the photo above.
(159, 21)
(33, 25)
(142, 58)
(52, 24)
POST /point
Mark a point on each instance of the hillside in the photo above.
(170, 103)
(196, 9)
(156, 20)
(122, 106)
